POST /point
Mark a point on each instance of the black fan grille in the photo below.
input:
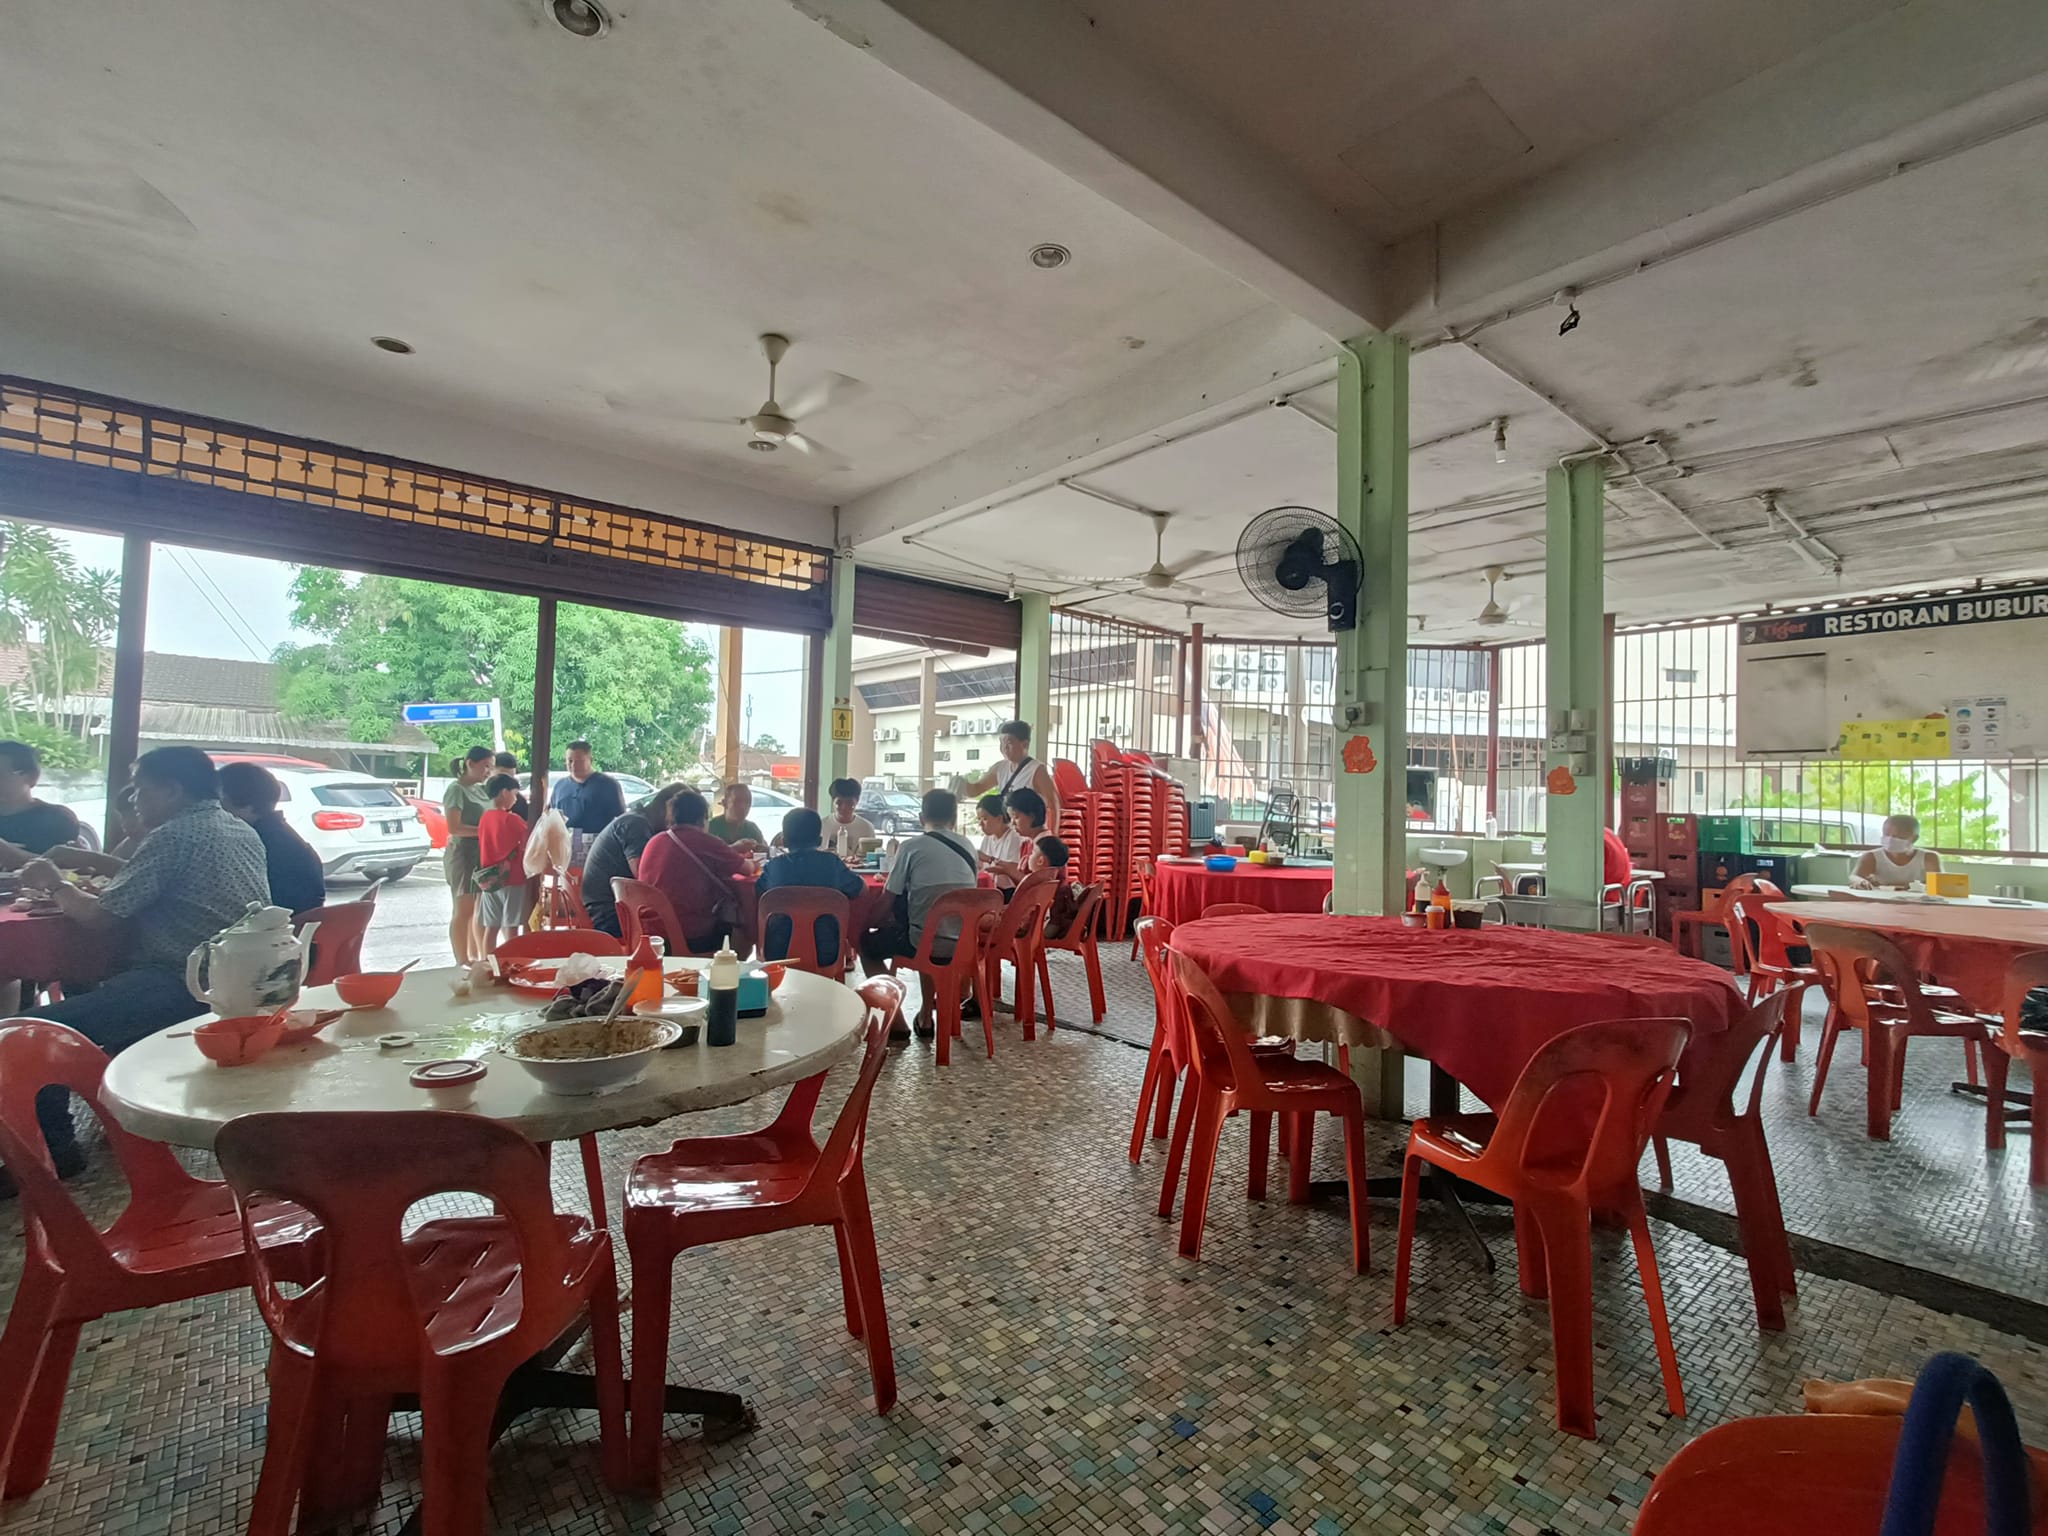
(1265, 542)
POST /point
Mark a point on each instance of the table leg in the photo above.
(2019, 1106)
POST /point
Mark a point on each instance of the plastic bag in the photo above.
(575, 968)
(547, 845)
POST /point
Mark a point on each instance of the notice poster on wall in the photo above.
(1976, 727)
(1895, 741)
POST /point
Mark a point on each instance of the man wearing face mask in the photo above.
(1899, 862)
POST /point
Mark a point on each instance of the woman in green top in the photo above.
(464, 803)
(731, 824)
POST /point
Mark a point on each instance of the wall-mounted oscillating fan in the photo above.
(1302, 563)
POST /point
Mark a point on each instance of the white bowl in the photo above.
(576, 1071)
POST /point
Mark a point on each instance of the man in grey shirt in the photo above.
(615, 855)
(926, 867)
(196, 871)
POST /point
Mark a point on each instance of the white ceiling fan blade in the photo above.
(1180, 568)
(810, 446)
(833, 389)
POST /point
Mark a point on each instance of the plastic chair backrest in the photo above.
(1068, 781)
(974, 914)
(1632, 1061)
(803, 907)
(2027, 972)
(1234, 909)
(1021, 928)
(1145, 869)
(1087, 913)
(1715, 1071)
(334, 939)
(359, 1173)
(646, 909)
(1764, 934)
(35, 1054)
(557, 944)
(1154, 935)
(1861, 959)
(1220, 1048)
(884, 997)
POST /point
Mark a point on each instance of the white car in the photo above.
(356, 824)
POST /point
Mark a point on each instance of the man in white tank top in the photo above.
(1898, 863)
(1017, 769)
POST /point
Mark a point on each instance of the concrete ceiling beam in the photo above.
(1038, 73)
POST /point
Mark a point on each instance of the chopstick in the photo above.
(626, 990)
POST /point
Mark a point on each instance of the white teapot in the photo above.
(253, 966)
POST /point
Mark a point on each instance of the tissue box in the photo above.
(753, 998)
(1942, 883)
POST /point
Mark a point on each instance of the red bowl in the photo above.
(776, 971)
(368, 989)
(237, 1042)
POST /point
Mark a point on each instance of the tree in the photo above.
(766, 742)
(637, 687)
(64, 616)
(1953, 814)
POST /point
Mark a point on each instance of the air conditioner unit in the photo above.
(891, 734)
(880, 734)
(1221, 682)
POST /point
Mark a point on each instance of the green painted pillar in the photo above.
(1576, 670)
(835, 730)
(1034, 671)
(1372, 659)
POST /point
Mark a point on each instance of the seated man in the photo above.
(250, 793)
(615, 854)
(196, 871)
(926, 868)
(735, 801)
(806, 863)
(695, 871)
(1898, 862)
(28, 826)
(847, 829)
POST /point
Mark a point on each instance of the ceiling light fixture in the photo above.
(1568, 300)
(1500, 439)
(1050, 257)
(392, 344)
(581, 18)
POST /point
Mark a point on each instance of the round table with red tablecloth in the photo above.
(35, 947)
(1477, 1003)
(1182, 888)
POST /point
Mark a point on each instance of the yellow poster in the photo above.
(1892, 741)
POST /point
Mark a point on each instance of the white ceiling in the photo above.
(582, 239)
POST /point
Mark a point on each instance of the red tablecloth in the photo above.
(1968, 948)
(1180, 891)
(52, 949)
(1478, 1003)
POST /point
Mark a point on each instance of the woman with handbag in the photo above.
(695, 870)
(501, 864)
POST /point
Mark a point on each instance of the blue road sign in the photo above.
(447, 714)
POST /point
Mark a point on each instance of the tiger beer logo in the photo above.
(1358, 757)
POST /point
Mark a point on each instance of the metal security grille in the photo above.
(1115, 681)
(1518, 766)
(503, 527)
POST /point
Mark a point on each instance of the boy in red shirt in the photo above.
(501, 863)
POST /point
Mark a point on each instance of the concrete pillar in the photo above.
(838, 670)
(1034, 670)
(927, 720)
(1576, 662)
(1297, 738)
(1372, 658)
(731, 651)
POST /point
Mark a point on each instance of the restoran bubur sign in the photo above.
(1883, 618)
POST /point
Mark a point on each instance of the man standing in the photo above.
(615, 855)
(926, 868)
(28, 826)
(1018, 770)
(588, 800)
(249, 793)
(196, 871)
(464, 803)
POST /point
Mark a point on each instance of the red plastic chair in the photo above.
(1079, 939)
(1233, 909)
(715, 1189)
(1168, 1058)
(805, 906)
(953, 980)
(334, 937)
(646, 909)
(1145, 869)
(1229, 1076)
(1762, 942)
(448, 1311)
(1874, 988)
(1632, 1064)
(1019, 938)
(561, 900)
(178, 1237)
(2013, 1043)
(1705, 1110)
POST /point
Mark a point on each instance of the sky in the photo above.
(202, 603)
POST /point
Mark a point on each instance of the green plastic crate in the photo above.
(1726, 834)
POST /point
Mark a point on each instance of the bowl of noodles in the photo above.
(585, 1056)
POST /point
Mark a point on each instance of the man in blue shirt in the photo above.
(297, 882)
(588, 800)
(806, 863)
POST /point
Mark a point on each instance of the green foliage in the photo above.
(638, 687)
(62, 751)
(64, 615)
(765, 742)
(1955, 811)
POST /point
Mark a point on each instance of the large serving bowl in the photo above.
(585, 1056)
(368, 989)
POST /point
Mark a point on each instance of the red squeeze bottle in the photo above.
(1440, 905)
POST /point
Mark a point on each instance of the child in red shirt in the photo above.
(501, 863)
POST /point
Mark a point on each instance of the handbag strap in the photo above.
(1945, 1384)
(720, 885)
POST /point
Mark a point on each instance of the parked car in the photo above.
(891, 812)
(357, 825)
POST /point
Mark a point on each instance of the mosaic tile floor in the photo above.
(1062, 1370)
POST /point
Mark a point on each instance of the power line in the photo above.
(241, 635)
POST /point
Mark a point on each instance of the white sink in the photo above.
(1443, 858)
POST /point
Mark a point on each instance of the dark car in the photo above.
(890, 812)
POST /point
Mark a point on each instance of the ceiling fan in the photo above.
(775, 424)
(1493, 615)
(1159, 576)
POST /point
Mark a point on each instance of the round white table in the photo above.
(1913, 898)
(162, 1088)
